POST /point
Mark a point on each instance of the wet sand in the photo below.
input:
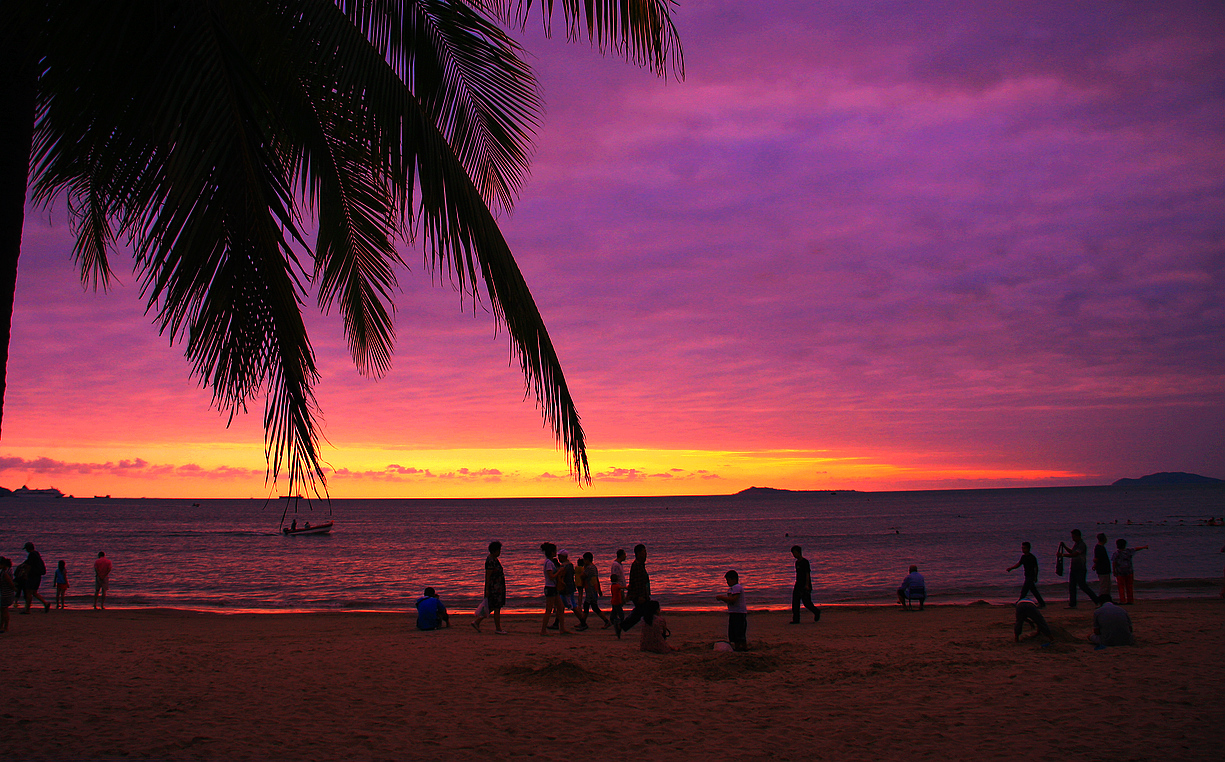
(864, 683)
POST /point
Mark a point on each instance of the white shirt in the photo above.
(740, 606)
(616, 569)
(549, 566)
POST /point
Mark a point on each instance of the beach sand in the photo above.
(864, 683)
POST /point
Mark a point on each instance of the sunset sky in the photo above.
(862, 246)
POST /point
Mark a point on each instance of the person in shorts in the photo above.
(102, 579)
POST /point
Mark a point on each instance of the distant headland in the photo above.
(773, 492)
(1167, 478)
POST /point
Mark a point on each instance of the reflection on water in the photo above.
(227, 554)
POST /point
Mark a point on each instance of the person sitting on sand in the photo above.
(1027, 611)
(913, 587)
(655, 630)
(431, 614)
(1111, 625)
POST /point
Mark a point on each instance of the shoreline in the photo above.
(866, 682)
(1160, 590)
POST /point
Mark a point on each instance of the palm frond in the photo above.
(641, 31)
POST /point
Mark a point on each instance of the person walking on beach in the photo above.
(102, 579)
(802, 591)
(1101, 565)
(737, 612)
(639, 589)
(552, 601)
(1123, 569)
(35, 570)
(495, 590)
(1030, 562)
(61, 584)
(1027, 611)
(8, 592)
(1078, 573)
(591, 583)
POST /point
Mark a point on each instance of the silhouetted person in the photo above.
(737, 612)
(1123, 569)
(102, 579)
(1101, 565)
(431, 614)
(1078, 573)
(495, 590)
(639, 589)
(913, 587)
(8, 592)
(802, 591)
(1111, 625)
(1030, 562)
(1027, 611)
(35, 570)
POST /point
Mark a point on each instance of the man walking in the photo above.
(639, 589)
(35, 569)
(1030, 562)
(802, 592)
(1078, 574)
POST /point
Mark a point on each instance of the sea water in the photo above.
(229, 555)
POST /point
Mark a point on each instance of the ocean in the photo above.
(227, 555)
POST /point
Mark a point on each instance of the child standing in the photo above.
(61, 585)
(737, 612)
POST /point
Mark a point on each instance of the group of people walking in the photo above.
(26, 578)
(576, 588)
(1105, 565)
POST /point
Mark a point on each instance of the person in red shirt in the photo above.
(102, 579)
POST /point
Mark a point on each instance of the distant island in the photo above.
(774, 492)
(1166, 478)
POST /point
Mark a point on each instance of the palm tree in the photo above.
(206, 136)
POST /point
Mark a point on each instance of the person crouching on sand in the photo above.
(1027, 611)
(654, 630)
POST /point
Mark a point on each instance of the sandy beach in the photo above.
(864, 683)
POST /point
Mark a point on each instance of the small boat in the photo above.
(292, 529)
(308, 529)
